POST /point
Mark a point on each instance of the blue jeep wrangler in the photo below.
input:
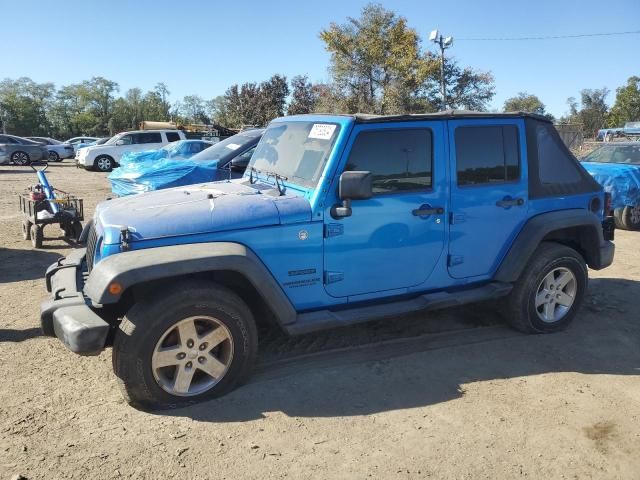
(338, 219)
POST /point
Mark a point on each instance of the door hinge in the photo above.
(456, 218)
(333, 277)
(333, 229)
(455, 260)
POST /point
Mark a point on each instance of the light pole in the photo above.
(444, 43)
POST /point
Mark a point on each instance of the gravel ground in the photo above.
(452, 395)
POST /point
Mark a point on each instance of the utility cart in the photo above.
(44, 205)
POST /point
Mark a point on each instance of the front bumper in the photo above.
(66, 314)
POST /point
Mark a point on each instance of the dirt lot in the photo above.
(453, 395)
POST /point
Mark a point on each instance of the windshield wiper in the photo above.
(252, 169)
(280, 179)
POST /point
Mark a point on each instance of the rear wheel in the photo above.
(550, 291)
(184, 345)
(20, 158)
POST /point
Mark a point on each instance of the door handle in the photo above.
(507, 202)
(427, 210)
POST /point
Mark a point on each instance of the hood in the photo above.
(622, 181)
(204, 208)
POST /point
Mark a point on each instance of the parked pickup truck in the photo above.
(107, 156)
(338, 219)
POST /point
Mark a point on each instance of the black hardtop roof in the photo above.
(445, 115)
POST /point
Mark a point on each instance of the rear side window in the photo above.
(487, 155)
(399, 160)
(148, 137)
(172, 137)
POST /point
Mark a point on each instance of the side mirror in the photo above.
(120, 142)
(352, 186)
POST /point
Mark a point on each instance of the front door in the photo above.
(392, 241)
(488, 193)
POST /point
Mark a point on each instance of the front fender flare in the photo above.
(139, 266)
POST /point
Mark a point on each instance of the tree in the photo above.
(526, 102)
(627, 104)
(376, 61)
(303, 96)
(99, 95)
(467, 88)
(193, 109)
(592, 111)
(25, 106)
(272, 98)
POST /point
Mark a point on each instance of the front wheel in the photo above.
(549, 292)
(183, 345)
(54, 157)
(104, 164)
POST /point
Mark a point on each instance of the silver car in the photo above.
(57, 150)
(21, 151)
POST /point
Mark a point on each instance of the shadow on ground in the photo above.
(10, 335)
(17, 265)
(603, 339)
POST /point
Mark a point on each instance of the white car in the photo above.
(107, 156)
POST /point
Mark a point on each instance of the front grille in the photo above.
(92, 241)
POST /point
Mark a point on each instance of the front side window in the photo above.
(126, 140)
(399, 160)
(487, 155)
(172, 136)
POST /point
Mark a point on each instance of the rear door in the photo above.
(488, 192)
(392, 241)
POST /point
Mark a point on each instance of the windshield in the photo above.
(114, 139)
(225, 147)
(295, 150)
(173, 147)
(629, 154)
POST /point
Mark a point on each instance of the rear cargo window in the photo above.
(487, 155)
(399, 160)
(172, 137)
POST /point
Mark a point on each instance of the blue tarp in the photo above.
(145, 171)
(621, 181)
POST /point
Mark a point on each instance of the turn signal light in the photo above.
(115, 288)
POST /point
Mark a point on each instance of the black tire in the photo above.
(103, 163)
(20, 158)
(521, 311)
(76, 230)
(36, 236)
(627, 218)
(26, 229)
(54, 157)
(147, 321)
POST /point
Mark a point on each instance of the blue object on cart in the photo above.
(48, 190)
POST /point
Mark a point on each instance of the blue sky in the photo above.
(202, 47)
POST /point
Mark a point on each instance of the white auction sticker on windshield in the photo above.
(233, 146)
(322, 131)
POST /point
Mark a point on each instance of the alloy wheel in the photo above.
(192, 356)
(555, 294)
